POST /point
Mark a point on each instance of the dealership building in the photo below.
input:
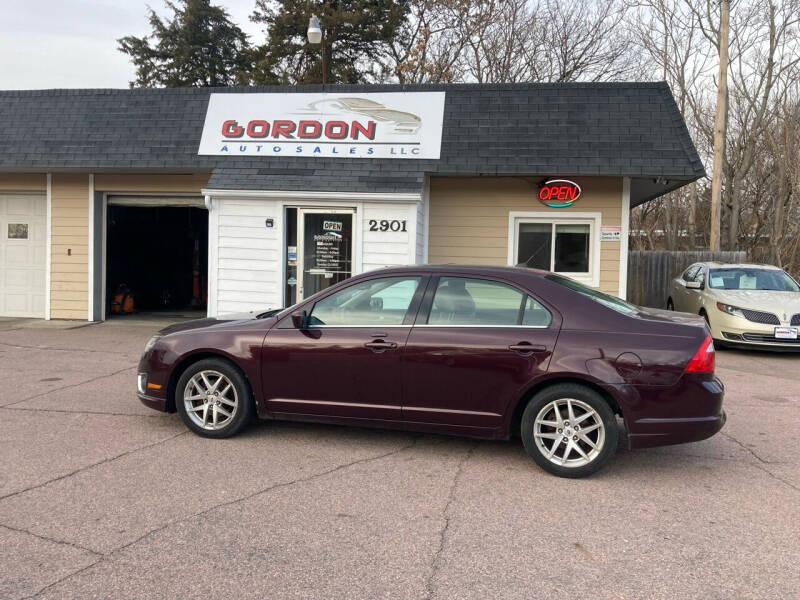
(237, 199)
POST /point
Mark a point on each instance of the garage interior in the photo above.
(156, 253)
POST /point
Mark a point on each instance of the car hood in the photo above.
(764, 300)
(206, 323)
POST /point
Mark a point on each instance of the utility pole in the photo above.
(720, 126)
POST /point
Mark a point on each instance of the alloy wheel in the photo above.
(210, 400)
(569, 433)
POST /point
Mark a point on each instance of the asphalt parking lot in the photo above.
(101, 497)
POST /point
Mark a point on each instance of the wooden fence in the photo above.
(650, 273)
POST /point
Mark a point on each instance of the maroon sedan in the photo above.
(476, 351)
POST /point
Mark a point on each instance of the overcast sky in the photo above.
(73, 43)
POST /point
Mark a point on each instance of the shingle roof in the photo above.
(612, 129)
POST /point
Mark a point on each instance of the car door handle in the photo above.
(380, 346)
(526, 348)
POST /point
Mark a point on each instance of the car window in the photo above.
(688, 274)
(608, 300)
(699, 275)
(383, 301)
(752, 279)
(463, 301)
(535, 315)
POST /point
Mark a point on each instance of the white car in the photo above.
(744, 304)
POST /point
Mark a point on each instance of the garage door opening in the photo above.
(156, 260)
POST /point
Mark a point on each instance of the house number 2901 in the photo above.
(386, 225)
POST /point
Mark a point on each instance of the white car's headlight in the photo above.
(730, 310)
(151, 342)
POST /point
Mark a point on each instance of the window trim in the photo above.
(593, 219)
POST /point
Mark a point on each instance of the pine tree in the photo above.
(356, 38)
(200, 46)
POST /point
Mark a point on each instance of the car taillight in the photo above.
(704, 359)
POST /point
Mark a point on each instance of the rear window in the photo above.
(608, 300)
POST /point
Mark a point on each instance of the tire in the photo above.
(231, 401)
(540, 440)
(670, 304)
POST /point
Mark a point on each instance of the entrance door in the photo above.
(23, 260)
(324, 249)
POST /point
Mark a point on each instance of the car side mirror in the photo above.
(694, 285)
(300, 320)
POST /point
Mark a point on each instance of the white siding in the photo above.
(246, 258)
(388, 248)
(248, 270)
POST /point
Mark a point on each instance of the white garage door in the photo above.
(23, 246)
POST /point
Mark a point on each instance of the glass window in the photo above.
(534, 244)
(617, 304)
(462, 301)
(382, 301)
(18, 231)
(535, 314)
(688, 274)
(572, 249)
(558, 247)
(752, 279)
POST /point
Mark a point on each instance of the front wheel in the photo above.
(569, 430)
(213, 399)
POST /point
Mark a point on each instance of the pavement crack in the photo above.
(446, 518)
(61, 349)
(748, 449)
(93, 465)
(205, 511)
(775, 477)
(64, 578)
(50, 539)
(84, 412)
(68, 387)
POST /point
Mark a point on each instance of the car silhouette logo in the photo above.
(403, 122)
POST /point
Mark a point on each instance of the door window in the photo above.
(689, 274)
(463, 301)
(325, 252)
(374, 302)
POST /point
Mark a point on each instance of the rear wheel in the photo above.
(213, 399)
(569, 430)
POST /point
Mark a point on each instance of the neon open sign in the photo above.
(559, 193)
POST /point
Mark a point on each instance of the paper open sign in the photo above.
(331, 225)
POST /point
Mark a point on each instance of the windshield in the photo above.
(608, 300)
(751, 279)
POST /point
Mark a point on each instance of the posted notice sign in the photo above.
(365, 125)
(610, 233)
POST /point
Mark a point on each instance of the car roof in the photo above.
(719, 265)
(487, 270)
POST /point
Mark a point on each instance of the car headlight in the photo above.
(734, 311)
(151, 342)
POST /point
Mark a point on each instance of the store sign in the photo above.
(559, 193)
(369, 125)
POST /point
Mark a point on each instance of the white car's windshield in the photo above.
(751, 279)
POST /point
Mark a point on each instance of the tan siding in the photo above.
(108, 182)
(69, 294)
(469, 218)
(23, 182)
